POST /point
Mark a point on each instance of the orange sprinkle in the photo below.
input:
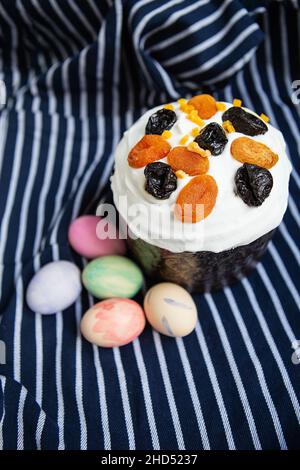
(237, 102)
(264, 117)
(187, 108)
(195, 132)
(182, 101)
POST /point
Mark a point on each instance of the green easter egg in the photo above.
(112, 276)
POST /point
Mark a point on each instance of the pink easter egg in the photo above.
(85, 237)
(113, 322)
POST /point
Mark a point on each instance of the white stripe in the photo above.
(147, 394)
(82, 19)
(203, 23)
(289, 240)
(169, 391)
(284, 273)
(294, 210)
(16, 76)
(20, 419)
(276, 302)
(269, 338)
(224, 53)
(78, 380)
(193, 393)
(56, 31)
(48, 174)
(215, 385)
(67, 23)
(258, 368)
(206, 44)
(136, 39)
(125, 398)
(234, 370)
(3, 384)
(102, 397)
(3, 133)
(39, 429)
(174, 17)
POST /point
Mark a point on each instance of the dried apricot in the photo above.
(149, 149)
(180, 158)
(197, 199)
(206, 105)
(251, 151)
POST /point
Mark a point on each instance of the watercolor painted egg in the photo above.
(54, 287)
(112, 276)
(170, 309)
(113, 322)
(87, 237)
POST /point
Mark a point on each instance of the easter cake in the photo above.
(201, 185)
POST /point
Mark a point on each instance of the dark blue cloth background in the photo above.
(78, 73)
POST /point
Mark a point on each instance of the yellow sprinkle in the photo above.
(166, 134)
(194, 147)
(227, 125)
(169, 106)
(180, 174)
(187, 108)
(237, 102)
(193, 116)
(221, 106)
(195, 132)
(264, 117)
(182, 101)
(184, 140)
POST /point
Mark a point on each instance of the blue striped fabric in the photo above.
(77, 75)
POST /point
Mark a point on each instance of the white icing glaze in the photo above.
(232, 223)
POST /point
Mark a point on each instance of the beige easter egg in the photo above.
(170, 309)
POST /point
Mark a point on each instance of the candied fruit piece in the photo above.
(147, 150)
(247, 150)
(180, 158)
(253, 184)
(161, 181)
(166, 134)
(180, 174)
(205, 105)
(194, 147)
(221, 106)
(195, 131)
(227, 125)
(169, 106)
(237, 102)
(264, 117)
(197, 199)
(161, 120)
(245, 122)
(184, 139)
(213, 138)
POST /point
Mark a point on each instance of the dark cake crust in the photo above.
(203, 271)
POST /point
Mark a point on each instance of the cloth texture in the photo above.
(77, 75)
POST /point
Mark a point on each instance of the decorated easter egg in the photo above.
(112, 276)
(54, 287)
(113, 322)
(170, 309)
(93, 236)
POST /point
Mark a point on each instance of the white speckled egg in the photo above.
(54, 287)
(170, 309)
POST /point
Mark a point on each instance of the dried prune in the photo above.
(253, 184)
(161, 180)
(161, 121)
(213, 138)
(245, 122)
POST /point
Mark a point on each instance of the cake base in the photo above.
(203, 271)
